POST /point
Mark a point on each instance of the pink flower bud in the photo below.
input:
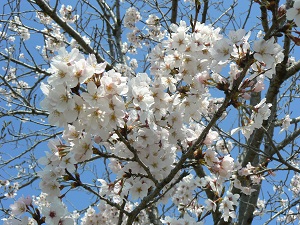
(97, 139)
(282, 10)
(246, 96)
(259, 86)
(27, 200)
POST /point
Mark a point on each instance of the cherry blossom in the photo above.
(53, 213)
(211, 205)
(94, 95)
(19, 207)
(143, 123)
(139, 189)
(66, 13)
(222, 50)
(131, 17)
(293, 13)
(185, 220)
(261, 210)
(227, 204)
(24, 221)
(285, 123)
(266, 51)
(226, 166)
(239, 36)
(223, 146)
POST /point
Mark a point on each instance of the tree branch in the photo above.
(73, 33)
(174, 11)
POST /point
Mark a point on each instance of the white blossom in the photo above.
(294, 13)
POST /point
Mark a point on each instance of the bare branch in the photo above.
(50, 12)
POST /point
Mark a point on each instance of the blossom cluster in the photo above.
(16, 26)
(131, 17)
(136, 37)
(260, 112)
(66, 13)
(55, 38)
(54, 212)
(144, 123)
(154, 114)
